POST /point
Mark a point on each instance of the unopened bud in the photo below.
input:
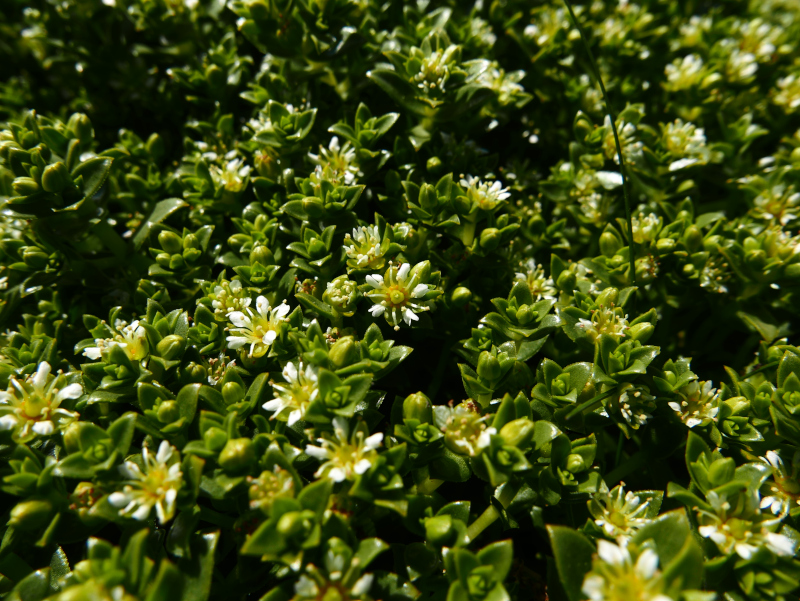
(344, 352)
(232, 392)
(641, 331)
(518, 432)
(418, 406)
(25, 186)
(170, 242)
(171, 347)
(490, 238)
(31, 514)
(460, 296)
(609, 244)
(215, 438)
(488, 366)
(55, 177)
(238, 455)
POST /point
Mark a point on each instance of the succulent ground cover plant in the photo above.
(350, 300)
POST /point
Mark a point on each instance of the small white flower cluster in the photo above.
(232, 175)
(732, 534)
(646, 227)
(293, 397)
(605, 320)
(434, 70)
(31, 408)
(632, 149)
(698, 404)
(363, 247)
(259, 330)
(397, 296)
(344, 456)
(685, 143)
(635, 404)
(541, 287)
(229, 297)
(684, 73)
(548, 23)
(336, 164)
(130, 338)
(485, 195)
(788, 93)
(155, 484)
(616, 577)
(618, 513)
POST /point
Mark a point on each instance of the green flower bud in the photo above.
(344, 352)
(191, 241)
(434, 165)
(490, 238)
(566, 281)
(55, 177)
(232, 392)
(81, 126)
(518, 432)
(609, 244)
(171, 347)
(418, 406)
(712, 242)
(238, 455)
(428, 199)
(462, 205)
(693, 238)
(215, 439)
(536, 225)
(34, 257)
(575, 463)
(792, 271)
(688, 269)
(313, 207)
(25, 186)
(215, 77)
(525, 314)
(263, 255)
(641, 331)
(608, 297)
(439, 531)
(168, 412)
(756, 259)
(176, 262)
(488, 366)
(163, 260)
(665, 246)
(582, 126)
(460, 296)
(296, 524)
(31, 514)
(170, 242)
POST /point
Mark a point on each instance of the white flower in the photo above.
(605, 320)
(615, 576)
(336, 163)
(344, 456)
(434, 70)
(398, 295)
(130, 338)
(259, 329)
(232, 176)
(228, 297)
(293, 397)
(632, 149)
(635, 404)
(30, 408)
(541, 287)
(155, 484)
(743, 536)
(781, 494)
(698, 404)
(684, 73)
(609, 179)
(364, 249)
(483, 194)
(618, 513)
(788, 94)
(646, 227)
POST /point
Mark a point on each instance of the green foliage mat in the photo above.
(359, 300)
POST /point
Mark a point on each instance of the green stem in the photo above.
(589, 404)
(599, 79)
(490, 514)
(428, 485)
(764, 367)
